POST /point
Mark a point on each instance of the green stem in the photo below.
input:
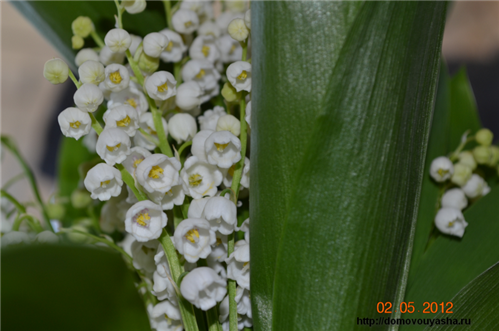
(73, 78)
(97, 39)
(95, 219)
(13, 180)
(186, 309)
(244, 45)
(168, 13)
(120, 13)
(177, 72)
(455, 155)
(20, 208)
(130, 181)
(212, 317)
(135, 67)
(160, 130)
(33, 223)
(184, 146)
(138, 52)
(9, 144)
(95, 124)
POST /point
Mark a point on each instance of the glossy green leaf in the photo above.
(342, 101)
(68, 288)
(53, 19)
(477, 303)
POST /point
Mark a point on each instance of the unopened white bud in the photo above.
(154, 44)
(482, 154)
(182, 127)
(239, 75)
(134, 6)
(56, 71)
(185, 21)
(74, 123)
(118, 40)
(84, 55)
(484, 137)
(88, 97)
(117, 77)
(454, 198)
(247, 18)
(441, 169)
(161, 85)
(189, 95)
(467, 158)
(238, 30)
(229, 123)
(103, 182)
(92, 72)
(113, 145)
(475, 187)
(462, 173)
(451, 221)
(494, 156)
(82, 26)
(77, 42)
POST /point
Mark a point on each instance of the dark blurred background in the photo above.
(30, 104)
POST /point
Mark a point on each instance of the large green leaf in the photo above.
(477, 303)
(53, 19)
(68, 288)
(342, 108)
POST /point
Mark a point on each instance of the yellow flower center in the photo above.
(137, 162)
(104, 183)
(245, 264)
(169, 47)
(221, 147)
(442, 172)
(191, 234)
(188, 24)
(143, 218)
(113, 148)
(243, 75)
(169, 192)
(195, 180)
(151, 131)
(201, 74)
(124, 122)
(75, 125)
(163, 88)
(205, 50)
(231, 170)
(232, 49)
(156, 172)
(115, 77)
(131, 102)
(219, 241)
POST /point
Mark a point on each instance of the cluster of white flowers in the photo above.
(143, 108)
(463, 180)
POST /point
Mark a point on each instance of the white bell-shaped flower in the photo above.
(200, 179)
(14, 238)
(118, 40)
(197, 6)
(451, 221)
(209, 119)
(182, 127)
(167, 317)
(229, 123)
(243, 300)
(134, 6)
(221, 213)
(107, 56)
(113, 145)
(462, 173)
(193, 238)
(196, 208)
(123, 117)
(154, 44)
(161, 85)
(88, 97)
(230, 49)
(223, 149)
(56, 71)
(239, 75)
(185, 21)
(454, 198)
(197, 148)
(175, 49)
(92, 72)
(46, 237)
(467, 158)
(201, 71)
(248, 114)
(143, 253)
(103, 182)
(174, 197)
(238, 264)
(136, 156)
(204, 48)
(74, 123)
(162, 288)
(245, 179)
(441, 169)
(219, 248)
(117, 77)
(203, 288)
(189, 95)
(86, 54)
(129, 96)
(158, 173)
(475, 187)
(145, 221)
(209, 28)
(238, 30)
(146, 122)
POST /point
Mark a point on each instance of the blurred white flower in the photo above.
(451, 221)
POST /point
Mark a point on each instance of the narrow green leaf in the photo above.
(68, 288)
(338, 149)
(477, 303)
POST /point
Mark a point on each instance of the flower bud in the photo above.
(148, 64)
(441, 169)
(482, 154)
(454, 198)
(134, 6)
(247, 18)
(56, 71)
(77, 42)
(118, 40)
(82, 26)
(484, 137)
(475, 187)
(229, 93)
(46, 237)
(229, 123)
(462, 173)
(76, 237)
(80, 199)
(56, 211)
(188, 95)
(182, 127)
(451, 221)
(154, 44)
(467, 158)
(237, 29)
(92, 72)
(494, 156)
(185, 21)
(88, 97)
(85, 55)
